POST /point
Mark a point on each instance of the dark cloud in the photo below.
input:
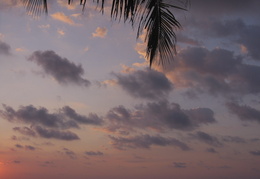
(64, 71)
(32, 115)
(256, 153)
(159, 115)
(55, 134)
(18, 146)
(236, 31)
(19, 138)
(25, 131)
(65, 119)
(69, 153)
(216, 72)
(146, 141)
(225, 8)
(92, 153)
(206, 138)
(91, 119)
(29, 147)
(244, 112)
(179, 165)
(211, 150)
(233, 139)
(17, 161)
(5, 49)
(148, 84)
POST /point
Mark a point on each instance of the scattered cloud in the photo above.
(92, 153)
(100, 32)
(244, 112)
(147, 84)
(29, 147)
(211, 150)
(179, 165)
(25, 131)
(146, 141)
(61, 32)
(216, 72)
(91, 119)
(55, 134)
(61, 69)
(20, 49)
(160, 115)
(208, 139)
(35, 116)
(60, 16)
(5, 49)
(233, 139)
(48, 125)
(256, 153)
(69, 153)
(18, 146)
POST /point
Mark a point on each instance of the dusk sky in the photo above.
(79, 101)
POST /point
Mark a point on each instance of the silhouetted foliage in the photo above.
(154, 17)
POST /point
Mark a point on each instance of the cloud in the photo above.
(61, 32)
(217, 72)
(5, 49)
(179, 165)
(48, 125)
(33, 116)
(91, 119)
(233, 139)
(60, 16)
(256, 153)
(69, 153)
(147, 84)
(236, 31)
(92, 153)
(29, 147)
(18, 146)
(66, 117)
(56, 134)
(160, 115)
(244, 112)
(61, 69)
(211, 150)
(208, 139)
(100, 32)
(228, 8)
(146, 141)
(25, 131)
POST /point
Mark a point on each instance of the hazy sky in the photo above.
(78, 100)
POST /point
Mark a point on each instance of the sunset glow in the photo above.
(79, 101)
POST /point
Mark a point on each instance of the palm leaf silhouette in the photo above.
(152, 16)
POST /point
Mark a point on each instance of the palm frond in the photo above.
(160, 25)
(153, 16)
(36, 7)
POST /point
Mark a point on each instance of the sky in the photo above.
(79, 101)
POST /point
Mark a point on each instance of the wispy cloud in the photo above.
(60, 16)
(146, 141)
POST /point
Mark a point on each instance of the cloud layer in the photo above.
(161, 116)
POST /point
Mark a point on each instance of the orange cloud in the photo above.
(100, 32)
(63, 18)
